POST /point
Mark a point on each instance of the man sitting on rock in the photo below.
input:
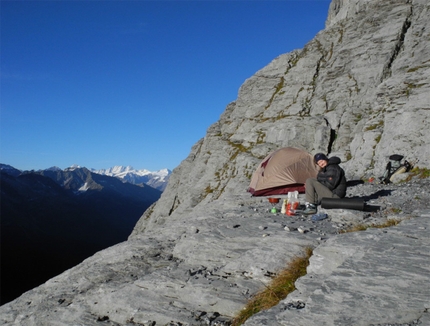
(330, 182)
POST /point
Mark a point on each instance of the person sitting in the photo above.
(330, 182)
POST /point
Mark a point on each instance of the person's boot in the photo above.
(310, 209)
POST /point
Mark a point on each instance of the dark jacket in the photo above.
(333, 177)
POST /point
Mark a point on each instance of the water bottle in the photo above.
(284, 207)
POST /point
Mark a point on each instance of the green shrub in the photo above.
(363, 227)
(375, 126)
(421, 173)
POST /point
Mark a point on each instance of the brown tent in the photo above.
(282, 171)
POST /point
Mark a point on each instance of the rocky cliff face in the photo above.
(359, 90)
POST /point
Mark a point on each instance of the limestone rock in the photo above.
(175, 276)
(348, 277)
(359, 90)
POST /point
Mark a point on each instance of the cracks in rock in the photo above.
(317, 71)
(174, 205)
(386, 73)
(292, 62)
(333, 136)
(198, 148)
(278, 88)
(307, 106)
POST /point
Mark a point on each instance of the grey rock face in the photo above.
(201, 269)
(358, 90)
(376, 277)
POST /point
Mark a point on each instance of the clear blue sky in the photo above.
(105, 83)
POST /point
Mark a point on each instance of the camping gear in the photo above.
(293, 196)
(292, 203)
(346, 203)
(283, 171)
(394, 166)
(291, 208)
(273, 201)
(319, 217)
(284, 207)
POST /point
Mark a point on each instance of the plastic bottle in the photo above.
(284, 207)
(296, 201)
(293, 203)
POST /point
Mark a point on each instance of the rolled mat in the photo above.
(347, 203)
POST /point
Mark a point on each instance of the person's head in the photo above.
(321, 160)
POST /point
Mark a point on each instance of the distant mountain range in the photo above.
(53, 219)
(157, 179)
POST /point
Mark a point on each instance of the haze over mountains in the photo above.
(53, 219)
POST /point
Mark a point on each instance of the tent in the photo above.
(282, 171)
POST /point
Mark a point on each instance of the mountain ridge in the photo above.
(360, 91)
(156, 179)
(53, 219)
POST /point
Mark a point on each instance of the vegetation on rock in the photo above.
(277, 290)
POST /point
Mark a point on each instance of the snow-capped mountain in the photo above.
(157, 179)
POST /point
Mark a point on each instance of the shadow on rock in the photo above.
(371, 208)
(376, 195)
(353, 183)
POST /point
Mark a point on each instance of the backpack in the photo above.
(394, 166)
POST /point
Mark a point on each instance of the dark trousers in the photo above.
(315, 191)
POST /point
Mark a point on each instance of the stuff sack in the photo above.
(395, 166)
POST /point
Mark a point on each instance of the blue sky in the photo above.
(105, 83)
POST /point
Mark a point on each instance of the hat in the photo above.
(320, 156)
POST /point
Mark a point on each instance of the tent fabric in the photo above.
(282, 171)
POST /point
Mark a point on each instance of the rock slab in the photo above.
(373, 277)
(201, 269)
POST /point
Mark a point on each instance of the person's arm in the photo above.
(330, 177)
